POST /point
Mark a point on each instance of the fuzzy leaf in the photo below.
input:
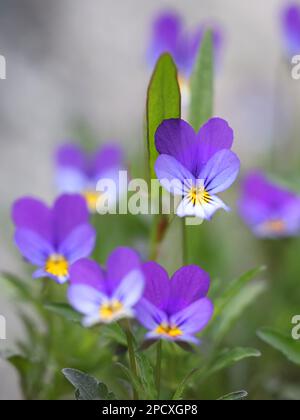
(87, 387)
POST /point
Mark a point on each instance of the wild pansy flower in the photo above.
(53, 238)
(176, 309)
(270, 210)
(290, 21)
(169, 35)
(196, 166)
(107, 296)
(80, 172)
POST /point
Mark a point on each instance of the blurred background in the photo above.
(76, 63)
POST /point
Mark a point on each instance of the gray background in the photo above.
(70, 59)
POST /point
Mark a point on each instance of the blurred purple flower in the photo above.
(268, 209)
(107, 296)
(290, 21)
(196, 166)
(53, 239)
(170, 35)
(176, 309)
(79, 172)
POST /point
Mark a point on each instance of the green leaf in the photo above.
(201, 110)
(182, 386)
(235, 287)
(286, 345)
(21, 287)
(115, 333)
(201, 106)
(233, 310)
(135, 381)
(234, 396)
(87, 387)
(64, 310)
(163, 102)
(223, 360)
(146, 374)
(227, 358)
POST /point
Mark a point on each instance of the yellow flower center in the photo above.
(198, 195)
(110, 310)
(168, 330)
(57, 266)
(276, 226)
(91, 198)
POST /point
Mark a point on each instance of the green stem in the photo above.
(131, 354)
(158, 367)
(184, 243)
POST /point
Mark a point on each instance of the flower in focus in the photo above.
(268, 209)
(78, 172)
(169, 35)
(53, 239)
(290, 21)
(107, 296)
(196, 166)
(178, 309)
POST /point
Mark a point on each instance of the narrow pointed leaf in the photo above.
(286, 345)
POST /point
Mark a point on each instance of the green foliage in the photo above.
(201, 106)
(163, 102)
(87, 387)
(234, 396)
(286, 345)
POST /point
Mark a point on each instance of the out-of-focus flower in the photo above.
(107, 296)
(80, 172)
(53, 239)
(169, 35)
(290, 21)
(196, 166)
(176, 309)
(268, 209)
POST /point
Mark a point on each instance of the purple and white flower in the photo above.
(176, 309)
(107, 296)
(169, 35)
(196, 166)
(53, 238)
(270, 210)
(80, 172)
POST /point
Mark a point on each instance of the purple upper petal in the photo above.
(69, 212)
(89, 273)
(177, 138)
(157, 288)
(109, 157)
(120, 263)
(214, 136)
(79, 243)
(188, 284)
(220, 172)
(34, 215)
(71, 156)
(291, 29)
(195, 317)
